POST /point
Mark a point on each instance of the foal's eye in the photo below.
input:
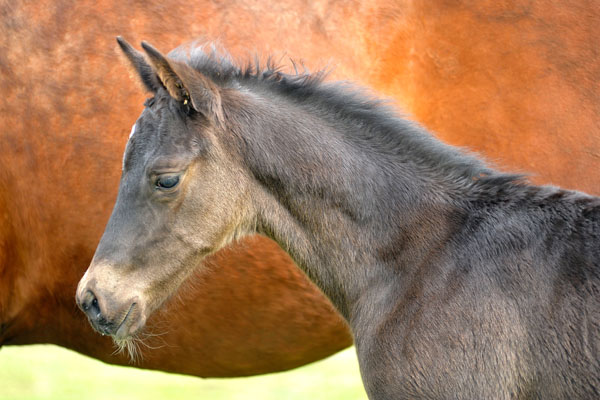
(167, 181)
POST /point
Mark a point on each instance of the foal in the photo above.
(457, 281)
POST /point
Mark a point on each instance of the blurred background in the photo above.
(51, 372)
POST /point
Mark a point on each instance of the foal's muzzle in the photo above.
(90, 305)
(108, 317)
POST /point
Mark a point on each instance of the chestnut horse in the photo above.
(461, 68)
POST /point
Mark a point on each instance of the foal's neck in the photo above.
(355, 219)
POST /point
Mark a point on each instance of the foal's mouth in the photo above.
(122, 330)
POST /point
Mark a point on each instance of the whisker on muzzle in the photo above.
(130, 346)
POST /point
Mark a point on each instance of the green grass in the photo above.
(50, 372)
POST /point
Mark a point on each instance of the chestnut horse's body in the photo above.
(517, 84)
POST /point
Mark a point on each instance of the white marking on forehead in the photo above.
(127, 145)
(132, 130)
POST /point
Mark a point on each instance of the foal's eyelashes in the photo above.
(149, 102)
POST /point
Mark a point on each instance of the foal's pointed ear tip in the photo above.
(146, 45)
(123, 43)
(152, 51)
(149, 48)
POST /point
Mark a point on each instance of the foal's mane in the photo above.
(379, 124)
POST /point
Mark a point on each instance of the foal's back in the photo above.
(510, 308)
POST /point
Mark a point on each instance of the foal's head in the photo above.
(182, 196)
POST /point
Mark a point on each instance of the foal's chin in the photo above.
(127, 334)
(132, 323)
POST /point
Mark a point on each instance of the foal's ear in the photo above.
(139, 63)
(186, 85)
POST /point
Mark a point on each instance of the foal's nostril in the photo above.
(85, 305)
(95, 308)
(90, 306)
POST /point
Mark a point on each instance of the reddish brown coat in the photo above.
(518, 84)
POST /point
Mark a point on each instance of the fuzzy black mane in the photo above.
(375, 123)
